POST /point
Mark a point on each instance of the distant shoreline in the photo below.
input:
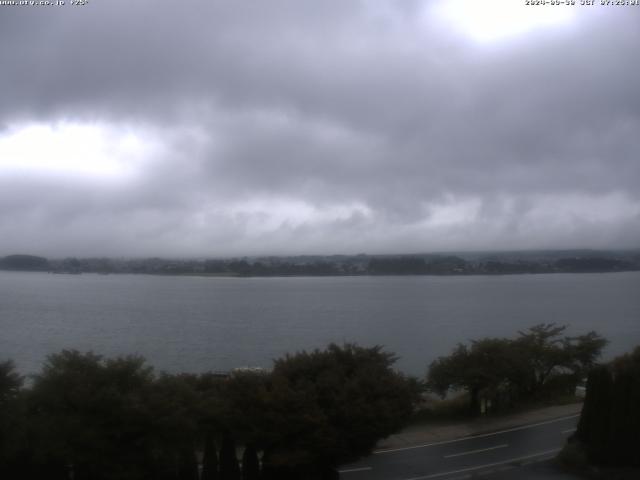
(235, 275)
(462, 264)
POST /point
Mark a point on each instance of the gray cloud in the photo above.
(290, 126)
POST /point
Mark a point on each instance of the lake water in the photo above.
(203, 323)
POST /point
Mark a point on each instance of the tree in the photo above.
(546, 354)
(538, 362)
(229, 468)
(11, 419)
(583, 352)
(593, 427)
(107, 419)
(542, 351)
(486, 370)
(174, 405)
(10, 381)
(332, 406)
(91, 413)
(243, 406)
(188, 467)
(625, 429)
(609, 426)
(250, 463)
(209, 459)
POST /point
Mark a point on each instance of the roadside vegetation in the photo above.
(92, 418)
(87, 417)
(607, 441)
(497, 374)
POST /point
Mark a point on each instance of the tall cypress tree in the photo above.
(229, 468)
(250, 463)
(210, 460)
(600, 422)
(609, 426)
(621, 430)
(634, 420)
(188, 466)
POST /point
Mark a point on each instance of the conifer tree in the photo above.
(229, 468)
(621, 429)
(250, 463)
(188, 466)
(210, 460)
(594, 425)
(609, 426)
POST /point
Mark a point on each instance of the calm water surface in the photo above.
(202, 323)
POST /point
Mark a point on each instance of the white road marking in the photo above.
(480, 450)
(351, 470)
(471, 437)
(486, 465)
(568, 430)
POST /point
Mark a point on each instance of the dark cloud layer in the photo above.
(289, 126)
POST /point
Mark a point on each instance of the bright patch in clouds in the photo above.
(266, 215)
(452, 212)
(71, 149)
(490, 20)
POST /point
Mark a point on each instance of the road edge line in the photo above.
(470, 437)
(487, 465)
(480, 450)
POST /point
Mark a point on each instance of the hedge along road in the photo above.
(478, 454)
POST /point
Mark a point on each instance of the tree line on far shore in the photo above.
(337, 265)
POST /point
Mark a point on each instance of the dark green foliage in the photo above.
(332, 406)
(114, 419)
(250, 463)
(320, 408)
(229, 468)
(173, 402)
(188, 468)
(209, 459)
(108, 419)
(543, 354)
(609, 427)
(12, 427)
(90, 412)
(537, 364)
(244, 408)
(10, 381)
(595, 421)
(623, 429)
(485, 369)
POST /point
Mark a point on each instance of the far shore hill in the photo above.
(456, 263)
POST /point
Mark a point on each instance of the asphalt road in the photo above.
(492, 455)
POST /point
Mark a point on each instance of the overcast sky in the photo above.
(219, 128)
